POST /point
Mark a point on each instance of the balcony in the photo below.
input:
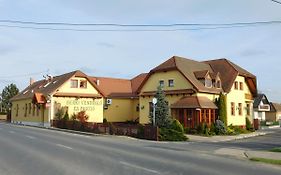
(264, 107)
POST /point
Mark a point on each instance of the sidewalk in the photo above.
(263, 154)
(196, 138)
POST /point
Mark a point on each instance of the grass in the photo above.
(278, 149)
(270, 161)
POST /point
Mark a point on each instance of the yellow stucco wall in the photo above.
(93, 107)
(66, 88)
(121, 110)
(151, 85)
(238, 96)
(179, 81)
(144, 106)
(29, 115)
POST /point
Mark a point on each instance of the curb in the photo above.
(59, 129)
(270, 127)
(249, 136)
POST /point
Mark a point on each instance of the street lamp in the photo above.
(154, 101)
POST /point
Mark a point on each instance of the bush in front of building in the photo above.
(220, 128)
(167, 134)
(177, 126)
(238, 130)
(249, 125)
(174, 132)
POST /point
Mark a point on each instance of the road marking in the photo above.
(12, 132)
(139, 167)
(63, 146)
(30, 137)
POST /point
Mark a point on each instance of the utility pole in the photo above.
(154, 101)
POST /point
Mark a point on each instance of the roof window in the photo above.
(25, 92)
(46, 84)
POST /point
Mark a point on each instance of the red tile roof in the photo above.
(195, 70)
(193, 102)
(46, 87)
(119, 88)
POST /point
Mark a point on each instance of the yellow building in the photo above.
(74, 91)
(121, 98)
(191, 88)
(102, 98)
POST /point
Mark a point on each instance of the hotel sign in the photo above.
(83, 105)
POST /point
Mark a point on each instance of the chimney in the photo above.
(98, 82)
(31, 81)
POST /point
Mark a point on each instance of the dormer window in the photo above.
(218, 84)
(83, 84)
(208, 82)
(74, 83)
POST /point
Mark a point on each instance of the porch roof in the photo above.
(39, 98)
(192, 102)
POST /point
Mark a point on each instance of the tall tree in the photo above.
(221, 103)
(7, 93)
(162, 115)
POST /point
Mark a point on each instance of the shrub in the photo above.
(238, 129)
(249, 125)
(82, 117)
(212, 129)
(190, 130)
(205, 129)
(199, 128)
(230, 131)
(177, 126)
(66, 116)
(59, 114)
(171, 135)
(220, 128)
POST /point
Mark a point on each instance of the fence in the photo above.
(133, 130)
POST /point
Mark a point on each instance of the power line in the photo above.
(276, 1)
(126, 30)
(140, 25)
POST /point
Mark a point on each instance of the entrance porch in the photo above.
(192, 111)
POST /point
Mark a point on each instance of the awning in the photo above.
(192, 102)
(39, 98)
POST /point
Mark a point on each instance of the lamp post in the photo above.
(154, 101)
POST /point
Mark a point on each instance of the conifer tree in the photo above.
(222, 108)
(162, 116)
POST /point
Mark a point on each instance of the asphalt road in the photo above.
(34, 151)
(265, 142)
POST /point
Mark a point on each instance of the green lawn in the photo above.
(270, 161)
(278, 149)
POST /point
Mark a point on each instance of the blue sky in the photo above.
(125, 54)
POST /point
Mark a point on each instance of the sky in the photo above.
(26, 53)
